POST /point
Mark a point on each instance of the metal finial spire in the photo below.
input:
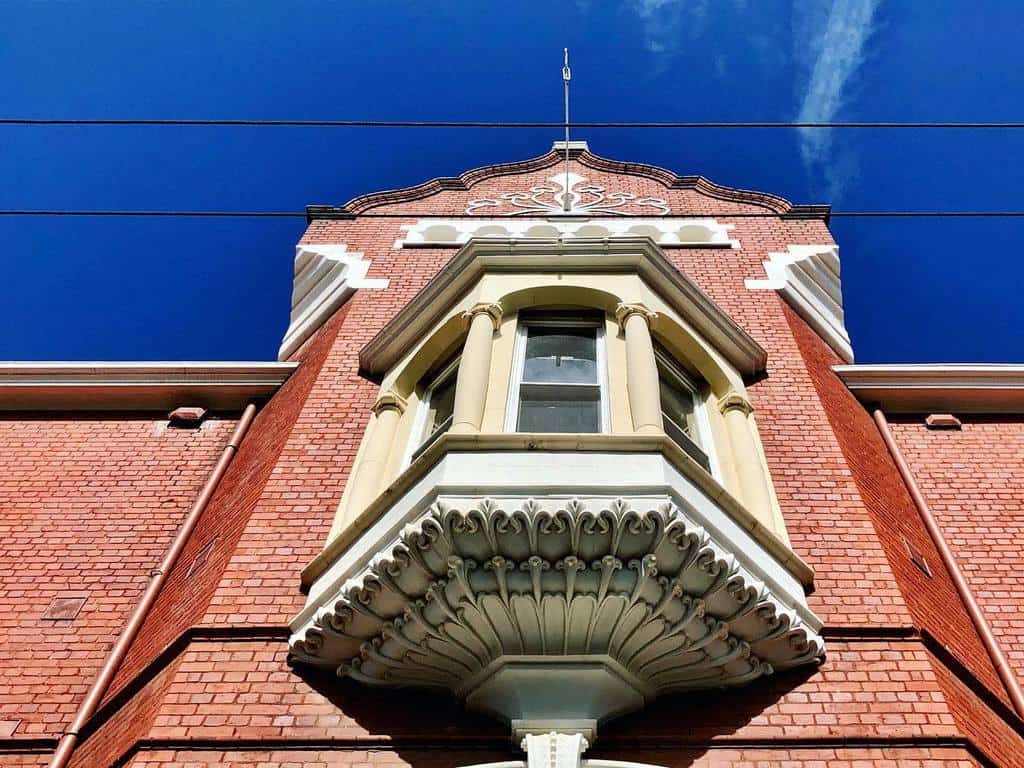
(566, 77)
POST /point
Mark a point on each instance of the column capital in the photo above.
(493, 310)
(623, 311)
(735, 401)
(389, 401)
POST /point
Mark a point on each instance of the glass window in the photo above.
(439, 406)
(560, 356)
(560, 382)
(679, 410)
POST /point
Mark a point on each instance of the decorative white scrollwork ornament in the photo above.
(584, 199)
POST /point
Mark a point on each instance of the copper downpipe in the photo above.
(89, 705)
(988, 639)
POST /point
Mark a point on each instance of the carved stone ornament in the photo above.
(584, 200)
(553, 615)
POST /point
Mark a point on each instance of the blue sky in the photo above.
(133, 289)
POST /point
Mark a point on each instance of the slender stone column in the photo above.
(369, 475)
(749, 469)
(475, 368)
(641, 368)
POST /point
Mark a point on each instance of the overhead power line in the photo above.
(918, 125)
(434, 215)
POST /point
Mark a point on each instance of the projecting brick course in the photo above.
(207, 683)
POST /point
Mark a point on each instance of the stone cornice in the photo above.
(706, 187)
(946, 387)
(123, 386)
(585, 255)
(668, 178)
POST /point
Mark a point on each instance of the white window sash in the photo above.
(519, 363)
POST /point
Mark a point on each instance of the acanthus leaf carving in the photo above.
(644, 587)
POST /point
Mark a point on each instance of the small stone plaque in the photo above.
(64, 608)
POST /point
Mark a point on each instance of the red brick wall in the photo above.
(185, 597)
(973, 481)
(935, 605)
(88, 505)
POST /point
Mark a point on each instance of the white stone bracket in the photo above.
(325, 277)
(807, 277)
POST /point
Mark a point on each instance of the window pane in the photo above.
(677, 410)
(677, 402)
(552, 415)
(441, 405)
(561, 356)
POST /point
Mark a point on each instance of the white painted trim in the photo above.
(934, 387)
(574, 146)
(807, 276)
(137, 385)
(666, 232)
(515, 378)
(325, 277)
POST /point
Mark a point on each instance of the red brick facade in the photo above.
(89, 504)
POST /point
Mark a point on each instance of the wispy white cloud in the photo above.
(832, 42)
(668, 23)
